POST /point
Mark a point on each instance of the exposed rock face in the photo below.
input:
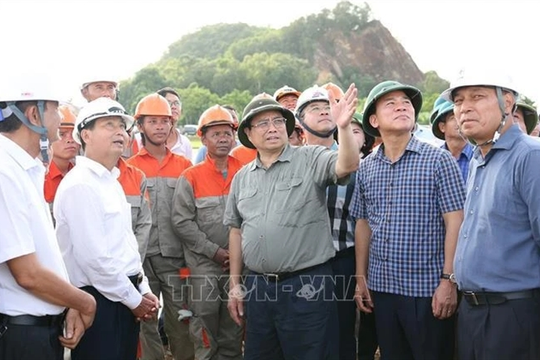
(373, 51)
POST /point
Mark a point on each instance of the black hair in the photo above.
(89, 126)
(167, 90)
(12, 123)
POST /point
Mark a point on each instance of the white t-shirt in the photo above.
(25, 227)
(93, 227)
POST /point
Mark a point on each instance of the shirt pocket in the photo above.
(169, 190)
(209, 210)
(289, 196)
(248, 206)
(135, 203)
(151, 188)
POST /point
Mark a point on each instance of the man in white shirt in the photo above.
(94, 232)
(34, 287)
(176, 142)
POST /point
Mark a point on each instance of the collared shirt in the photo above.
(404, 203)
(161, 180)
(197, 213)
(52, 180)
(338, 198)
(464, 159)
(182, 146)
(93, 227)
(282, 211)
(25, 228)
(499, 241)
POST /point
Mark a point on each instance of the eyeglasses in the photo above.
(318, 109)
(175, 103)
(265, 124)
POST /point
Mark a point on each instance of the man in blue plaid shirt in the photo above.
(408, 204)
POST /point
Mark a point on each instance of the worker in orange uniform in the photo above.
(197, 215)
(165, 254)
(64, 151)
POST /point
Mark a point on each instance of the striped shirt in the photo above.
(338, 199)
(404, 202)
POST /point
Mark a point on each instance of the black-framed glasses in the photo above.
(265, 124)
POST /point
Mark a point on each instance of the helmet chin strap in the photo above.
(318, 134)
(41, 130)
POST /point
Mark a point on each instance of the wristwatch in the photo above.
(450, 277)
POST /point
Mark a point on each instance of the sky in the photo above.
(77, 39)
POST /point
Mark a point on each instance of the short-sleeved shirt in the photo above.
(404, 203)
(282, 210)
(499, 241)
(25, 228)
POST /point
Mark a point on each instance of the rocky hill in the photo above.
(373, 52)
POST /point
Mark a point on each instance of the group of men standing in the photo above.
(266, 258)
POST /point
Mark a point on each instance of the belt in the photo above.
(136, 280)
(30, 320)
(277, 277)
(475, 298)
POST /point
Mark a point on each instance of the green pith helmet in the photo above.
(530, 116)
(257, 105)
(440, 110)
(382, 89)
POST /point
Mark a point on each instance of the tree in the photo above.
(146, 81)
(195, 100)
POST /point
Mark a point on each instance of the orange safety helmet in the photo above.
(285, 90)
(215, 115)
(153, 105)
(68, 117)
(336, 91)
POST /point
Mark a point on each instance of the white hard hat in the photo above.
(101, 107)
(314, 93)
(101, 78)
(480, 76)
(29, 87)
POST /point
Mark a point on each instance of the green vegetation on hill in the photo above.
(230, 63)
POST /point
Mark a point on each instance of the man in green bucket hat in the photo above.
(408, 205)
(280, 230)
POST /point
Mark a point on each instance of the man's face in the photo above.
(394, 113)
(65, 148)
(358, 134)
(52, 119)
(449, 127)
(156, 129)
(317, 116)
(288, 101)
(99, 89)
(108, 137)
(477, 111)
(265, 134)
(519, 118)
(295, 139)
(219, 140)
(176, 107)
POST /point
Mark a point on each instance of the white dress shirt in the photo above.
(25, 228)
(93, 227)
